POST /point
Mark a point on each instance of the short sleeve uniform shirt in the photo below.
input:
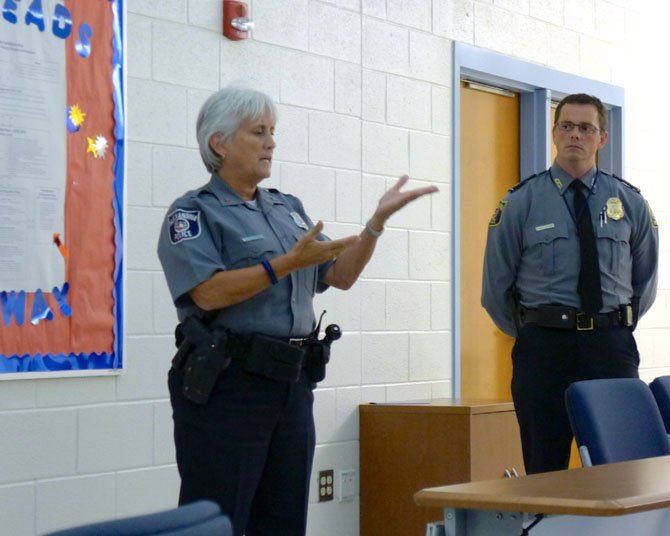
(212, 229)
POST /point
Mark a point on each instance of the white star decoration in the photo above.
(101, 146)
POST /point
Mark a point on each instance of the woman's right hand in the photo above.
(310, 251)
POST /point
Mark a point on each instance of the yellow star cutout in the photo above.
(91, 146)
(76, 115)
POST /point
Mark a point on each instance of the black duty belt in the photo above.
(204, 352)
(296, 341)
(562, 317)
(238, 345)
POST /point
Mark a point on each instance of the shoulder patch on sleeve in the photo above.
(632, 187)
(498, 213)
(654, 223)
(183, 225)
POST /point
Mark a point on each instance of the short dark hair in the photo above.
(583, 98)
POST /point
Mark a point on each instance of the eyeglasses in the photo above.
(584, 128)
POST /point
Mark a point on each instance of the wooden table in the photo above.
(628, 498)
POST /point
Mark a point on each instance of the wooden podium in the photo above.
(408, 446)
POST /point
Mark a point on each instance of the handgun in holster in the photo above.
(512, 299)
(202, 357)
(635, 312)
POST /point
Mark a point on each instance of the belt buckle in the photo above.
(588, 327)
(296, 341)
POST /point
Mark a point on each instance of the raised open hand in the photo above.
(309, 251)
(393, 200)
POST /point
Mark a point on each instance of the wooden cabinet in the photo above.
(409, 446)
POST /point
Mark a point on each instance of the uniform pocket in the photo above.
(244, 254)
(307, 276)
(547, 244)
(614, 237)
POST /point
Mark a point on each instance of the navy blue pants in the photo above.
(545, 362)
(250, 449)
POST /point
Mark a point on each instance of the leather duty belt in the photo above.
(562, 317)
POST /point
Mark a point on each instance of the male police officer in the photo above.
(570, 266)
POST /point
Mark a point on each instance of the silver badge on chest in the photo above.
(298, 220)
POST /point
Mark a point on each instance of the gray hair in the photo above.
(223, 112)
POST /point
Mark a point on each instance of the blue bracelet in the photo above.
(271, 273)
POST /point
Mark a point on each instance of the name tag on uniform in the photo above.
(252, 238)
(545, 227)
(298, 220)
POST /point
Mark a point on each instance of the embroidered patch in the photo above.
(654, 223)
(497, 214)
(184, 225)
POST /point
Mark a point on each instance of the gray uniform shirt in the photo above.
(533, 245)
(212, 229)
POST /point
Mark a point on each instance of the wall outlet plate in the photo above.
(326, 485)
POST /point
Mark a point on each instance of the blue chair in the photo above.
(201, 518)
(660, 388)
(614, 420)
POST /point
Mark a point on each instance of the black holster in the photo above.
(635, 303)
(318, 351)
(316, 358)
(513, 302)
(202, 356)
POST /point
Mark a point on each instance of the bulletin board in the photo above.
(62, 138)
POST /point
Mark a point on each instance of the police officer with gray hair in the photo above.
(570, 266)
(243, 264)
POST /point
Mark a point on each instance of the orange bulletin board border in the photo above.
(77, 329)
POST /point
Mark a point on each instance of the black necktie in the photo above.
(588, 287)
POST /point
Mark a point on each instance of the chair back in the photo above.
(660, 388)
(201, 518)
(616, 420)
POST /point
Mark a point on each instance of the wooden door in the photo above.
(552, 147)
(489, 166)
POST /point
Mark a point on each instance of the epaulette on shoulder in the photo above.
(196, 192)
(281, 197)
(631, 186)
(522, 183)
(277, 194)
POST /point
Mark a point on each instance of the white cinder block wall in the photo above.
(364, 92)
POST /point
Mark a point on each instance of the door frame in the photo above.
(537, 86)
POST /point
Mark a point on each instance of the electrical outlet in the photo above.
(346, 485)
(326, 485)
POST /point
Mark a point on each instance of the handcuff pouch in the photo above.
(274, 358)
